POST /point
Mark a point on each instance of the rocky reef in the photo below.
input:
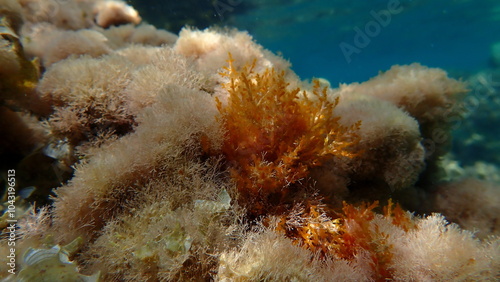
(134, 154)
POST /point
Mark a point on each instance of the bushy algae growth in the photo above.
(274, 134)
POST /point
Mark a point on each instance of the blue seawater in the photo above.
(455, 35)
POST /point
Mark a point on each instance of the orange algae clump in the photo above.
(346, 234)
(276, 134)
